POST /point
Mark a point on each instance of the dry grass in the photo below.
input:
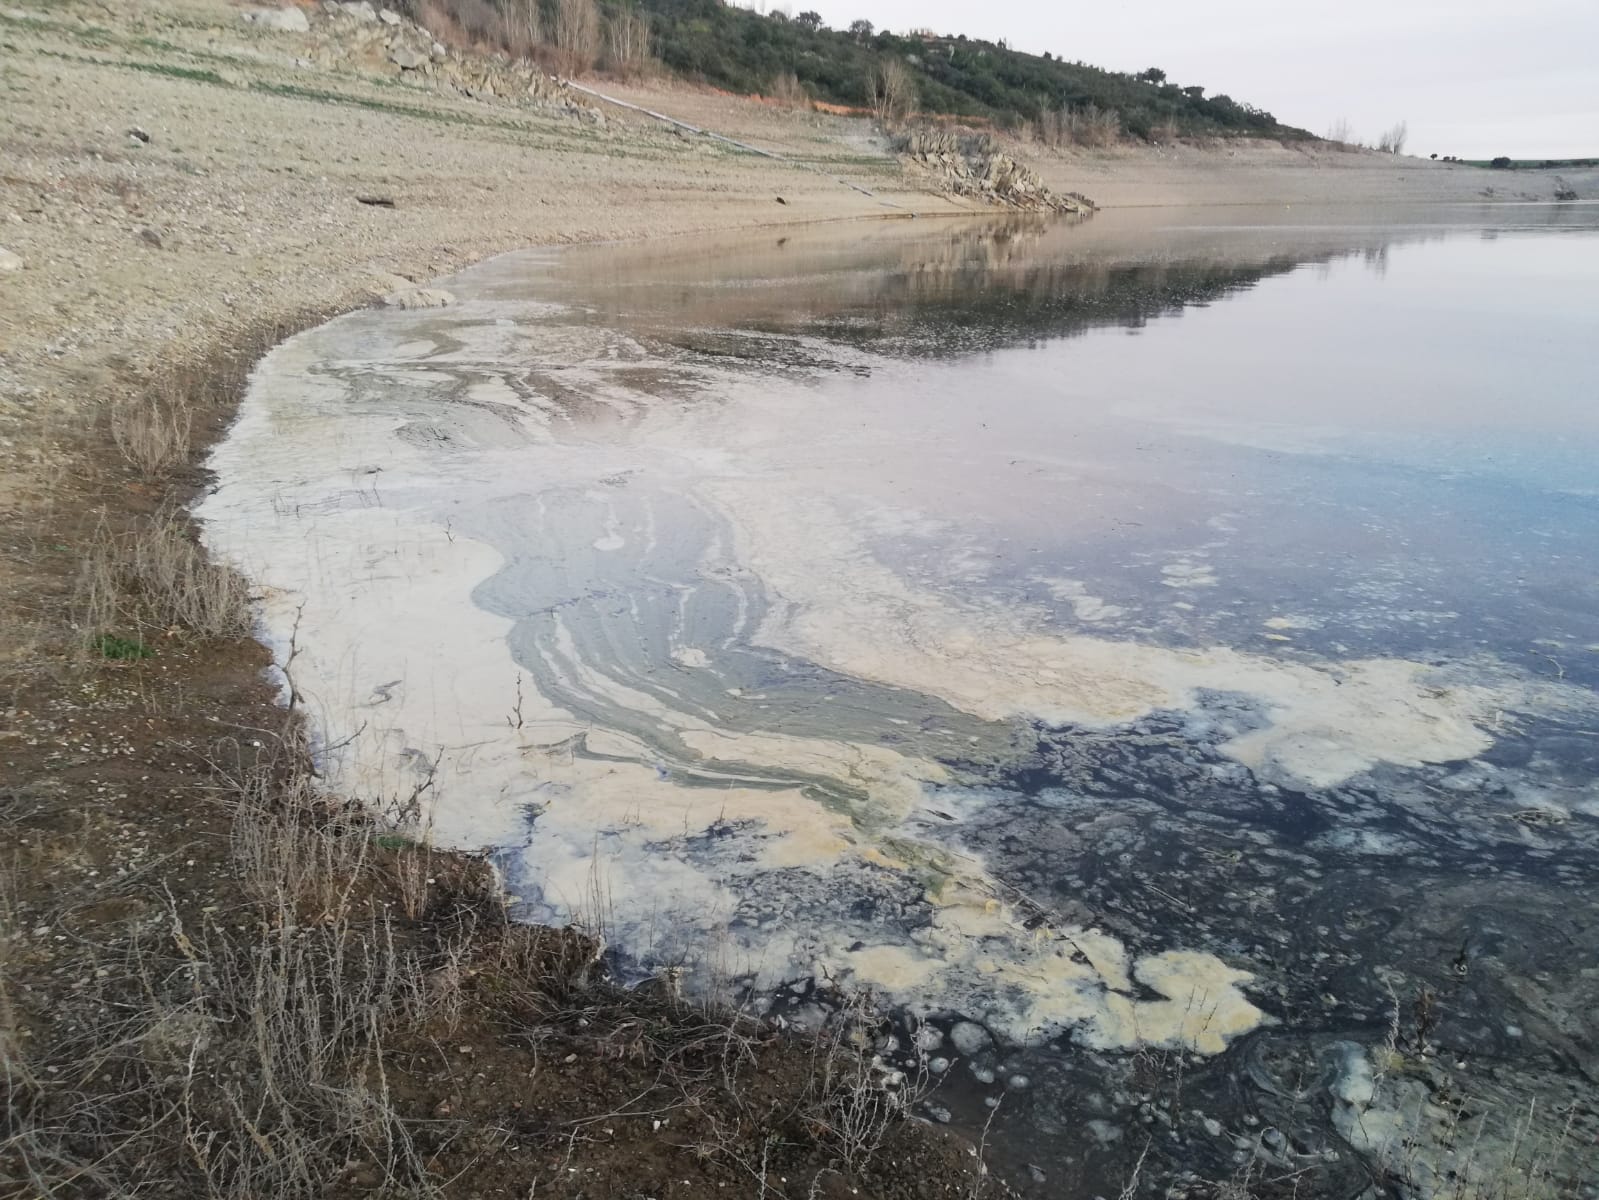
(1089, 126)
(152, 433)
(156, 581)
(787, 90)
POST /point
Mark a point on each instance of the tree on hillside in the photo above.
(809, 20)
(577, 34)
(1153, 75)
(893, 91)
(861, 29)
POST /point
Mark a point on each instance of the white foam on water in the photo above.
(339, 493)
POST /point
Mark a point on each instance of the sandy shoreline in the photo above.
(242, 205)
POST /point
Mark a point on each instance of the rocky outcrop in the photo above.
(355, 34)
(974, 165)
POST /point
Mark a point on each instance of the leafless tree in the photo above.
(1341, 132)
(577, 34)
(627, 42)
(893, 91)
(1393, 140)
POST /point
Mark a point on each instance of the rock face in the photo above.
(974, 165)
(360, 35)
(282, 20)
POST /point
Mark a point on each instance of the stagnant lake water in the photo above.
(1156, 658)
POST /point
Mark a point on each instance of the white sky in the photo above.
(1471, 77)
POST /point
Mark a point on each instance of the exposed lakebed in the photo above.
(1192, 736)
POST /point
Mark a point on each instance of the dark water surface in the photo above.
(1157, 658)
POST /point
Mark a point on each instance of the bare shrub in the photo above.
(177, 584)
(514, 26)
(295, 852)
(893, 91)
(577, 34)
(1393, 140)
(152, 433)
(1089, 125)
(852, 1098)
(627, 43)
(157, 578)
(788, 91)
(1342, 134)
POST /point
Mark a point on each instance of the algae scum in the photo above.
(1154, 659)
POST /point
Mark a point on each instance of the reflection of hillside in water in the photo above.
(951, 290)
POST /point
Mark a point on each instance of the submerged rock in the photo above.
(970, 1038)
(419, 297)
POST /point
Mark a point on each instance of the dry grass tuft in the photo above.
(157, 581)
(153, 433)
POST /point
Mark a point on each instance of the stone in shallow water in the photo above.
(970, 1038)
(419, 297)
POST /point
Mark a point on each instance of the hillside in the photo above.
(799, 59)
(743, 51)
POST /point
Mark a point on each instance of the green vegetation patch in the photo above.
(121, 649)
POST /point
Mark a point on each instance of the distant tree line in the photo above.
(746, 51)
(800, 58)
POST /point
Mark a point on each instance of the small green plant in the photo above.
(121, 649)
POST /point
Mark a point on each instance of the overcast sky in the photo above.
(1473, 78)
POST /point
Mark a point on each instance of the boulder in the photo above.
(406, 58)
(418, 297)
(361, 10)
(388, 16)
(281, 20)
(9, 261)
